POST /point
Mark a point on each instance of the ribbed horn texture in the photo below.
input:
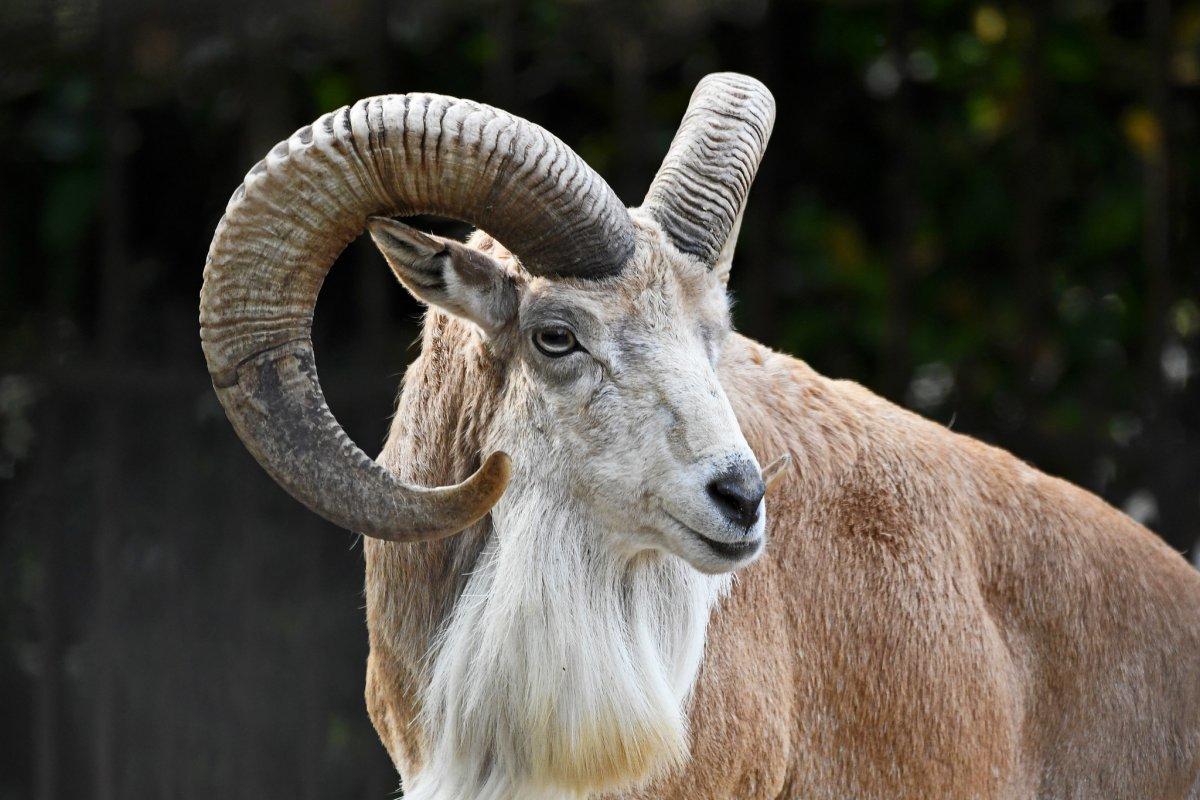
(299, 207)
(701, 187)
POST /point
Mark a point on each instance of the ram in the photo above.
(921, 616)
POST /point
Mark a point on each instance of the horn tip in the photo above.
(497, 469)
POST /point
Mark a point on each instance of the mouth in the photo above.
(732, 551)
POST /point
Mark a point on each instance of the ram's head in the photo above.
(608, 322)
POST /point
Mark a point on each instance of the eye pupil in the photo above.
(554, 341)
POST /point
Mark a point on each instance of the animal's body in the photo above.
(932, 618)
(919, 615)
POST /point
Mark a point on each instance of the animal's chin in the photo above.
(709, 555)
(732, 551)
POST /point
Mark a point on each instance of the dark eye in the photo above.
(555, 341)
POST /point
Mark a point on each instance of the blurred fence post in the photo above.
(113, 315)
(46, 524)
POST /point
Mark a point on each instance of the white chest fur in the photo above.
(565, 667)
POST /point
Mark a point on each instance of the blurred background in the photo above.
(986, 212)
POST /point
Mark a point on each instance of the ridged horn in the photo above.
(700, 189)
(298, 208)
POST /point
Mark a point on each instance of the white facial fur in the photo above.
(565, 666)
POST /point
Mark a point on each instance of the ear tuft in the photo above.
(395, 233)
(447, 274)
(412, 255)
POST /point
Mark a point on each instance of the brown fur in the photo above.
(932, 618)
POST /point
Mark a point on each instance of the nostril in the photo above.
(737, 493)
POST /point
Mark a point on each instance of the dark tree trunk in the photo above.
(757, 268)
(1028, 248)
(630, 170)
(904, 211)
(1157, 230)
(374, 281)
(500, 81)
(113, 317)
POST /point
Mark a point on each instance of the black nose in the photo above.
(737, 491)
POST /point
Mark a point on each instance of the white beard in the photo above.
(565, 667)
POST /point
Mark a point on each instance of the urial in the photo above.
(920, 616)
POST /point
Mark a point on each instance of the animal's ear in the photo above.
(447, 274)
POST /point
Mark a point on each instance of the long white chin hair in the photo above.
(565, 666)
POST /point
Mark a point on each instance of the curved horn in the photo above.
(296, 211)
(700, 189)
